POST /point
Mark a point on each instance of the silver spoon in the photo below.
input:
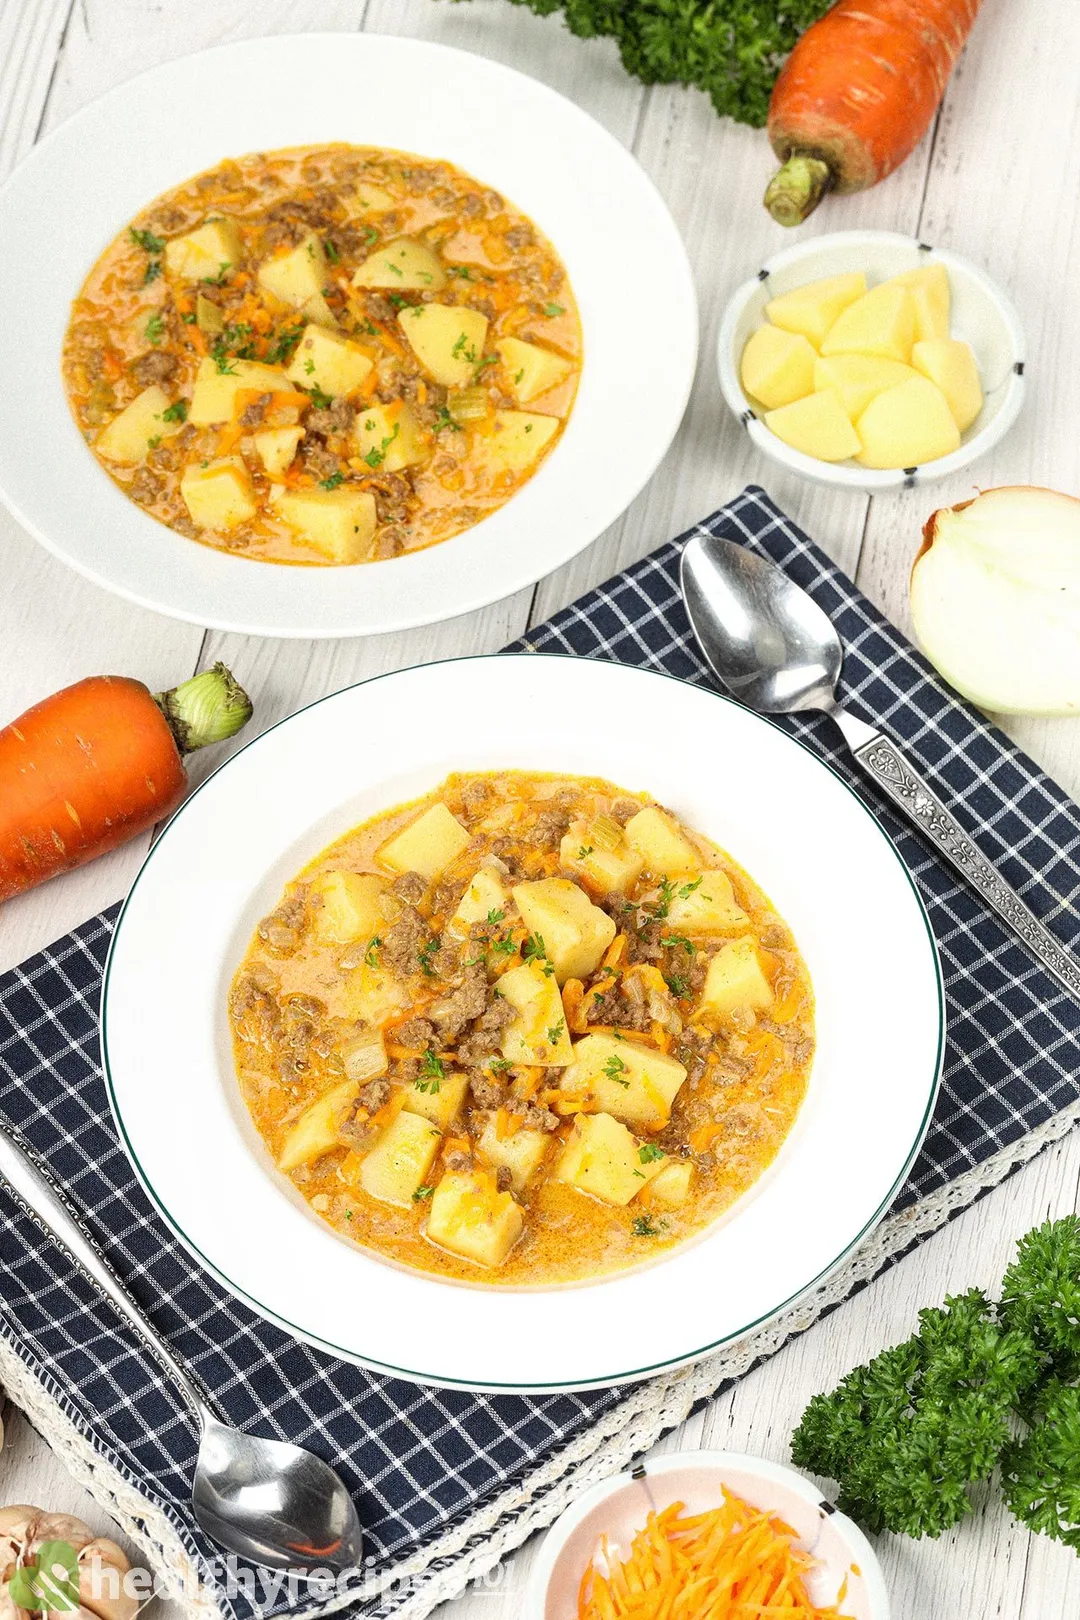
(264, 1500)
(775, 650)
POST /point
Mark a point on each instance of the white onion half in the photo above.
(995, 599)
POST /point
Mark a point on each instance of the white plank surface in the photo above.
(996, 180)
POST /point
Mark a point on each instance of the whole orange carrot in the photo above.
(100, 762)
(857, 94)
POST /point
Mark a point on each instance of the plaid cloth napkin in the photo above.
(424, 1462)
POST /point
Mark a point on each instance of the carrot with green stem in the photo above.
(100, 762)
(857, 95)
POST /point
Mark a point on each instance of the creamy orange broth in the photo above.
(236, 306)
(394, 977)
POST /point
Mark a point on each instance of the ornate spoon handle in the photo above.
(890, 771)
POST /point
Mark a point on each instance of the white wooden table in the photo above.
(997, 181)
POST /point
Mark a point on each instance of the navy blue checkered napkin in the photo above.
(423, 1462)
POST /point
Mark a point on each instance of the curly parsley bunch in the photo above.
(980, 1385)
(731, 49)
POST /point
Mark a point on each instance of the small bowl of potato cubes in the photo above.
(869, 360)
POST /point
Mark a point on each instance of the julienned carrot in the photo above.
(857, 94)
(100, 762)
(732, 1563)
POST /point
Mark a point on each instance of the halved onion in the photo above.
(995, 599)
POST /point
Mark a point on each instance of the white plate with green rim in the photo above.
(800, 832)
(604, 217)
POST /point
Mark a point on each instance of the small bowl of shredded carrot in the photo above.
(705, 1536)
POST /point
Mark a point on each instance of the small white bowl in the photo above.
(617, 1508)
(982, 315)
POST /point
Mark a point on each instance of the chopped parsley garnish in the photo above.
(348, 1214)
(555, 1033)
(518, 376)
(176, 412)
(443, 421)
(321, 401)
(504, 946)
(399, 301)
(147, 240)
(376, 457)
(461, 270)
(494, 917)
(498, 1065)
(424, 956)
(395, 269)
(551, 310)
(660, 907)
(370, 234)
(679, 942)
(584, 852)
(371, 955)
(615, 1068)
(648, 1153)
(309, 367)
(488, 360)
(688, 888)
(155, 328)
(190, 318)
(463, 349)
(152, 444)
(645, 1226)
(219, 280)
(152, 271)
(422, 1192)
(283, 345)
(679, 985)
(331, 252)
(534, 950)
(432, 1072)
(333, 481)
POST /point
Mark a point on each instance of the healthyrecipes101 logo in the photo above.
(49, 1581)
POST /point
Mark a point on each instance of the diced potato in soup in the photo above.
(447, 339)
(635, 1083)
(402, 1156)
(471, 1217)
(203, 254)
(337, 522)
(477, 1054)
(427, 845)
(575, 933)
(331, 317)
(538, 1034)
(603, 1159)
(139, 428)
(406, 265)
(219, 495)
(326, 361)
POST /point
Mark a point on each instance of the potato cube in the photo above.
(319, 1127)
(531, 369)
(602, 1158)
(372, 199)
(349, 906)
(447, 340)
(817, 425)
(296, 276)
(521, 1153)
(574, 931)
(388, 437)
(372, 995)
(484, 897)
(736, 980)
(471, 1218)
(859, 377)
(881, 322)
(931, 298)
(427, 845)
(129, 437)
(214, 398)
(951, 365)
(777, 366)
(707, 905)
(633, 1082)
(402, 1156)
(203, 254)
(438, 1098)
(219, 495)
(338, 522)
(538, 1034)
(517, 440)
(907, 425)
(328, 362)
(276, 449)
(811, 310)
(404, 265)
(672, 1186)
(661, 843)
(611, 867)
